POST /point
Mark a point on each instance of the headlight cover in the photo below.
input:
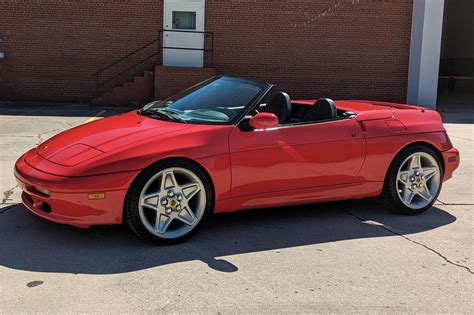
(75, 154)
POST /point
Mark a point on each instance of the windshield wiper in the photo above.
(162, 114)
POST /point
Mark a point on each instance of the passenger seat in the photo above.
(322, 109)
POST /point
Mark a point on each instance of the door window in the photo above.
(183, 20)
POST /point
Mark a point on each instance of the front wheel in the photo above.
(168, 202)
(413, 181)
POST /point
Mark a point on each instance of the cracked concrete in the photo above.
(456, 204)
(49, 132)
(383, 226)
(7, 194)
(338, 257)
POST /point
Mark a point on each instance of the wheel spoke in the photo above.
(152, 198)
(186, 216)
(150, 201)
(425, 193)
(403, 176)
(415, 162)
(168, 180)
(162, 223)
(429, 172)
(408, 195)
(149, 206)
(190, 190)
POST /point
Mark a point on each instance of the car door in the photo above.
(294, 157)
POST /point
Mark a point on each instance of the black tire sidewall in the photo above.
(131, 211)
(390, 194)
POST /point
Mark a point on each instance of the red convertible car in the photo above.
(228, 144)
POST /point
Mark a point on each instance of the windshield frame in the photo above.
(235, 120)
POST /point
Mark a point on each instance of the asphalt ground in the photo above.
(335, 257)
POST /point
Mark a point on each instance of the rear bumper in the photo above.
(451, 161)
(69, 201)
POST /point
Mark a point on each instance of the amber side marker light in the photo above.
(95, 196)
(452, 159)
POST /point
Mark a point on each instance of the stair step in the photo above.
(137, 92)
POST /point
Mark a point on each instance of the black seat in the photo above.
(322, 109)
(280, 105)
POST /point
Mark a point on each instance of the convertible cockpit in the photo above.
(294, 112)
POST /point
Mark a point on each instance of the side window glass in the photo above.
(267, 98)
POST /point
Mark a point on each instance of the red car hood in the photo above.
(86, 141)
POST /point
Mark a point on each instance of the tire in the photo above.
(167, 209)
(413, 181)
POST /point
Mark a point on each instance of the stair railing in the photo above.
(134, 62)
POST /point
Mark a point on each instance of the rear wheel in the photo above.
(169, 202)
(413, 181)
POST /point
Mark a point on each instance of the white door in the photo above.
(184, 21)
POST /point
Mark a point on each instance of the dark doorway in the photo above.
(456, 81)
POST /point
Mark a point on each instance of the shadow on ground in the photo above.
(32, 244)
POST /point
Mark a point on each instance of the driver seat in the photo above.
(280, 105)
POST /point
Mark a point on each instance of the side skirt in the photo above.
(300, 196)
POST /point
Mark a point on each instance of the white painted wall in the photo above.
(425, 50)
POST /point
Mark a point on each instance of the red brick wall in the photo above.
(311, 48)
(170, 80)
(358, 49)
(53, 48)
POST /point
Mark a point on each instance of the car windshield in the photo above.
(218, 100)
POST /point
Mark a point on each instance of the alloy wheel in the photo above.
(418, 180)
(172, 202)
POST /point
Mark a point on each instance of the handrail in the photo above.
(186, 31)
(128, 55)
(159, 49)
(130, 68)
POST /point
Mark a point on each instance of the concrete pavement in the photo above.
(337, 257)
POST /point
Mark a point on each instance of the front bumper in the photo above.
(451, 161)
(69, 201)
